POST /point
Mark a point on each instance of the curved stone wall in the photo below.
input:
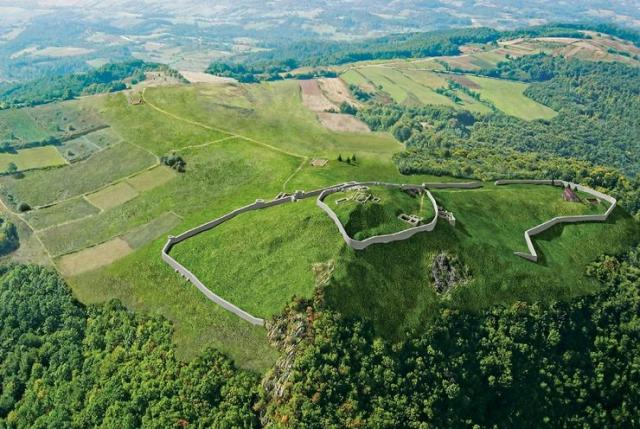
(533, 255)
(377, 239)
(361, 244)
(297, 195)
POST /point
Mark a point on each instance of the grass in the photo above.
(32, 158)
(16, 127)
(366, 220)
(67, 211)
(47, 186)
(412, 86)
(152, 178)
(261, 259)
(508, 96)
(398, 296)
(158, 227)
(112, 196)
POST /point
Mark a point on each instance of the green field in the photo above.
(16, 126)
(508, 96)
(67, 211)
(411, 86)
(32, 158)
(377, 218)
(243, 142)
(47, 186)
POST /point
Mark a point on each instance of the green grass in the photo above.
(508, 96)
(366, 220)
(67, 211)
(158, 227)
(16, 126)
(410, 86)
(261, 259)
(32, 158)
(68, 117)
(398, 296)
(43, 187)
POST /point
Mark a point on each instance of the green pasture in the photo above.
(42, 187)
(391, 284)
(16, 126)
(31, 158)
(67, 211)
(508, 96)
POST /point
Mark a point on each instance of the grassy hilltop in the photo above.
(104, 214)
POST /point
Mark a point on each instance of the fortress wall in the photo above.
(533, 255)
(378, 239)
(210, 295)
(465, 185)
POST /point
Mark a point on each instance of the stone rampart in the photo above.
(378, 239)
(533, 254)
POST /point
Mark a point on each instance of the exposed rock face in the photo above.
(447, 272)
(286, 332)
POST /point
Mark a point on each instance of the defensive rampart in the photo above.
(377, 239)
(533, 255)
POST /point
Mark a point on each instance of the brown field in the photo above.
(151, 179)
(113, 196)
(313, 98)
(94, 257)
(201, 77)
(464, 62)
(465, 81)
(336, 91)
(343, 123)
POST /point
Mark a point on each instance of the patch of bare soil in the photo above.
(336, 91)
(313, 97)
(465, 81)
(201, 77)
(94, 257)
(340, 122)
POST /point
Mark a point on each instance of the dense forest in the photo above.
(108, 78)
(65, 365)
(593, 139)
(527, 365)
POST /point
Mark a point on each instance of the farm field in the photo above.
(413, 86)
(112, 212)
(32, 158)
(17, 127)
(508, 96)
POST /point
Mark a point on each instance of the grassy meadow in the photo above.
(244, 142)
(508, 96)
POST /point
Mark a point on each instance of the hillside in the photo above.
(99, 187)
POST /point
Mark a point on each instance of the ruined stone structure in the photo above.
(387, 238)
(533, 255)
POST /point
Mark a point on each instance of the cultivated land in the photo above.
(104, 218)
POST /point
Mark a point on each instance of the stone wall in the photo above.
(533, 255)
(378, 239)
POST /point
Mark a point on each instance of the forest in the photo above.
(569, 364)
(66, 365)
(593, 139)
(108, 78)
